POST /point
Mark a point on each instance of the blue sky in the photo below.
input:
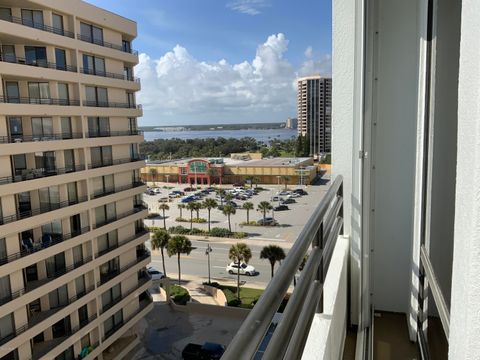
(225, 61)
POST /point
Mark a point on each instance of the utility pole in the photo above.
(207, 252)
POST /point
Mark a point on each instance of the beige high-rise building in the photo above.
(72, 255)
(314, 104)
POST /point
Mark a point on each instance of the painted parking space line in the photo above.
(266, 239)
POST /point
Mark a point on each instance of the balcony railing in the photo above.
(104, 278)
(142, 281)
(37, 101)
(118, 217)
(37, 63)
(113, 189)
(99, 164)
(34, 138)
(37, 246)
(109, 75)
(31, 174)
(428, 281)
(108, 104)
(32, 24)
(46, 207)
(117, 245)
(100, 42)
(114, 133)
(289, 337)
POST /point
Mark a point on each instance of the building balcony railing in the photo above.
(32, 24)
(103, 163)
(44, 208)
(124, 242)
(37, 101)
(37, 246)
(100, 42)
(109, 75)
(37, 63)
(104, 278)
(142, 281)
(17, 138)
(43, 315)
(118, 217)
(289, 336)
(142, 306)
(31, 174)
(108, 104)
(113, 189)
(114, 133)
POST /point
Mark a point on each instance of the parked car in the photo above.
(284, 192)
(155, 274)
(289, 200)
(245, 269)
(277, 198)
(300, 191)
(269, 221)
(149, 192)
(164, 199)
(187, 189)
(157, 190)
(281, 208)
(207, 351)
(173, 195)
(187, 199)
(293, 195)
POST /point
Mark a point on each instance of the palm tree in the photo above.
(212, 172)
(191, 206)
(177, 245)
(285, 179)
(250, 179)
(198, 207)
(239, 253)
(163, 207)
(256, 180)
(209, 204)
(181, 207)
(248, 206)
(159, 240)
(227, 211)
(264, 206)
(228, 197)
(221, 193)
(153, 174)
(272, 253)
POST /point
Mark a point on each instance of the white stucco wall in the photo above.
(465, 310)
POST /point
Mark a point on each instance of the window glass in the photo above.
(97, 34)
(110, 211)
(100, 215)
(8, 53)
(108, 182)
(66, 124)
(102, 96)
(3, 247)
(63, 93)
(19, 163)
(13, 95)
(104, 125)
(126, 47)
(80, 285)
(5, 14)
(88, 64)
(99, 66)
(60, 59)
(69, 160)
(107, 154)
(72, 192)
(6, 326)
(37, 18)
(90, 94)
(57, 23)
(86, 32)
(35, 55)
(77, 254)
(15, 126)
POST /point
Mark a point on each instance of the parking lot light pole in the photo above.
(207, 252)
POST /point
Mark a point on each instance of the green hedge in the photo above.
(179, 294)
(217, 232)
(194, 220)
(231, 298)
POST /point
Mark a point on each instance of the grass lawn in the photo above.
(179, 294)
(247, 295)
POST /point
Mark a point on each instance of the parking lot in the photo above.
(290, 221)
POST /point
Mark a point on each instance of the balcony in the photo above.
(100, 42)
(31, 174)
(37, 101)
(113, 190)
(10, 139)
(37, 63)
(114, 133)
(116, 246)
(50, 29)
(104, 278)
(117, 217)
(99, 164)
(142, 281)
(109, 75)
(38, 246)
(108, 104)
(47, 207)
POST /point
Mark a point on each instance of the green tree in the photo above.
(229, 210)
(272, 253)
(264, 207)
(248, 206)
(153, 174)
(285, 179)
(299, 146)
(164, 207)
(306, 146)
(181, 207)
(212, 172)
(177, 245)
(221, 193)
(191, 206)
(198, 207)
(159, 241)
(209, 204)
(238, 253)
(228, 197)
(250, 179)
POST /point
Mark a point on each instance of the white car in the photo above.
(155, 274)
(245, 269)
(157, 190)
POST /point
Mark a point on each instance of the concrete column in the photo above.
(465, 303)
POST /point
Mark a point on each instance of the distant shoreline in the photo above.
(215, 127)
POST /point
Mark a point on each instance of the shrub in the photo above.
(194, 220)
(213, 284)
(251, 222)
(240, 235)
(179, 230)
(179, 295)
(220, 232)
(196, 231)
(231, 298)
(153, 215)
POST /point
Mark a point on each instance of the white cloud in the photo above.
(249, 7)
(178, 86)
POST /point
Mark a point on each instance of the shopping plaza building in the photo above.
(72, 256)
(238, 169)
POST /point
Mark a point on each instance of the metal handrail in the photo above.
(427, 273)
(38, 101)
(10, 139)
(108, 104)
(118, 217)
(31, 174)
(32, 24)
(113, 274)
(106, 44)
(99, 164)
(252, 332)
(117, 245)
(142, 281)
(37, 63)
(113, 133)
(114, 190)
(107, 74)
